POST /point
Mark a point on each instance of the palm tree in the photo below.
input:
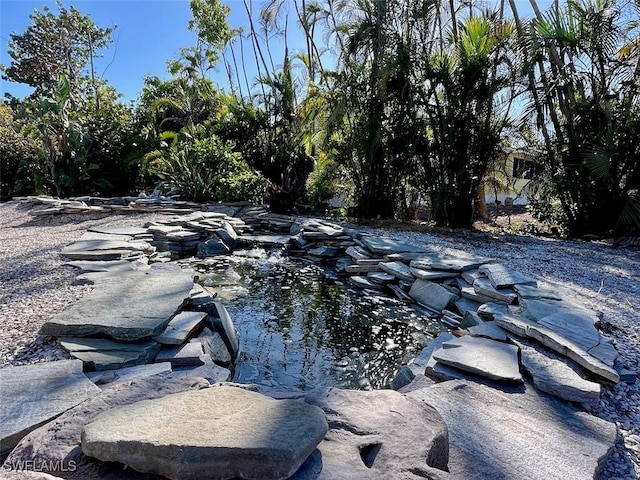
(470, 88)
(585, 92)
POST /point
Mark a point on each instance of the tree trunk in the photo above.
(480, 202)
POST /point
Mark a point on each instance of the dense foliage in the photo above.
(385, 106)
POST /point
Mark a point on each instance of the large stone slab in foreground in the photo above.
(55, 446)
(500, 436)
(216, 433)
(125, 306)
(34, 394)
(377, 435)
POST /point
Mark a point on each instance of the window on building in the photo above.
(523, 168)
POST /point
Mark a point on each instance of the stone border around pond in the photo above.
(493, 310)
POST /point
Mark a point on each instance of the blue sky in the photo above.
(148, 33)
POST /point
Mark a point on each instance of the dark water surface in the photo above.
(300, 330)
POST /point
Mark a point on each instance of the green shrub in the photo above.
(17, 153)
(205, 168)
(550, 213)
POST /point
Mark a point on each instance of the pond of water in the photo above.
(299, 328)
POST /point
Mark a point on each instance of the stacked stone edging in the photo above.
(438, 289)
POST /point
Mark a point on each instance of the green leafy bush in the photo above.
(17, 152)
(549, 212)
(205, 168)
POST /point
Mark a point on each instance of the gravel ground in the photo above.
(34, 282)
(35, 285)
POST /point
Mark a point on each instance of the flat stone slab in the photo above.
(489, 330)
(100, 354)
(481, 356)
(358, 253)
(264, 240)
(377, 435)
(229, 330)
(31, 395)
(579, 329)
(388, 246)
(575, 327)
(217, 433)
(419, 364)
(115, 377)
(180, 328)
(131, 231)
(213, 345)
(104, 236)
(365, 283)
(464, 305)
(432, 295)
(537, 293)
(471, 319)
(499, 436)
(99, 255)
(440, 372)
(536, 309)
(362, 268)
(55, 446)
(502, 276)
(527, 328)
(183, 236)
(182, 355)
(471, 276)
(163, 230)
(432, 274)
(381, 277)
(450, 264)
(556, 378)
(93, 245)
(483, 286)
(397, 269)
(489, 310)
(208, 370)
(473, 295)
(126, 306)
(112, 266)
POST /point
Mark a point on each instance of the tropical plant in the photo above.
(53, 46)
(18, 152)
(64, 143)
(418, 103)
(180, 102)
(470, 89)
(114, 143)
(584, 93)
(204, 168)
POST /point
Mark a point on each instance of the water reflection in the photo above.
(299, 330)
